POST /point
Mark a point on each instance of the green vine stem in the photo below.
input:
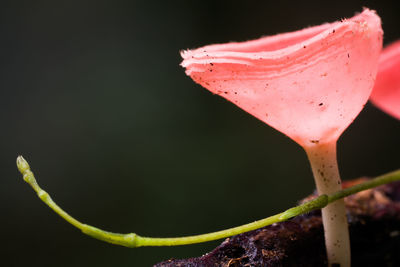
(134, 240)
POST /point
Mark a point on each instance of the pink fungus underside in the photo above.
(309, 84)
(386, 93)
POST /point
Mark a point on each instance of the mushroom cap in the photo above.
(386, 92)
(309, 84)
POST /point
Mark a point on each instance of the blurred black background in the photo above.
(93, 96)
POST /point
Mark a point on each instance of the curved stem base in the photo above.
(326, 174)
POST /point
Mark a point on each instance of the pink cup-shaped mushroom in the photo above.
(310, 85)
(386, 93)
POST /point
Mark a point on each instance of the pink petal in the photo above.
(386, 93)
(309, 84)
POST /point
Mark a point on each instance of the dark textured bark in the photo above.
(374, 221)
